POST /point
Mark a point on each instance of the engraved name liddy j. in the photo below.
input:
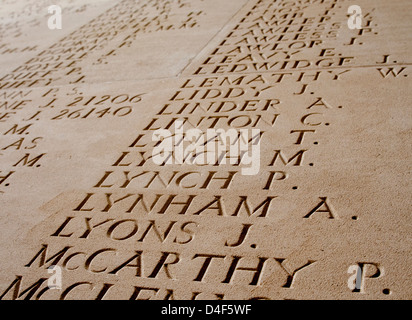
(215, 146)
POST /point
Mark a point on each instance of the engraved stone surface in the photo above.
(193, 149)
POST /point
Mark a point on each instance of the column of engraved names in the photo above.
(98, 41)
(115, 28)
(173, 219)
(304, 41)
(298, 48)
(226, 102)
(168, 197)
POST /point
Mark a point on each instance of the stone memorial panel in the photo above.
(189, 150)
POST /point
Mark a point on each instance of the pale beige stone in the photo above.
(327, 198)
